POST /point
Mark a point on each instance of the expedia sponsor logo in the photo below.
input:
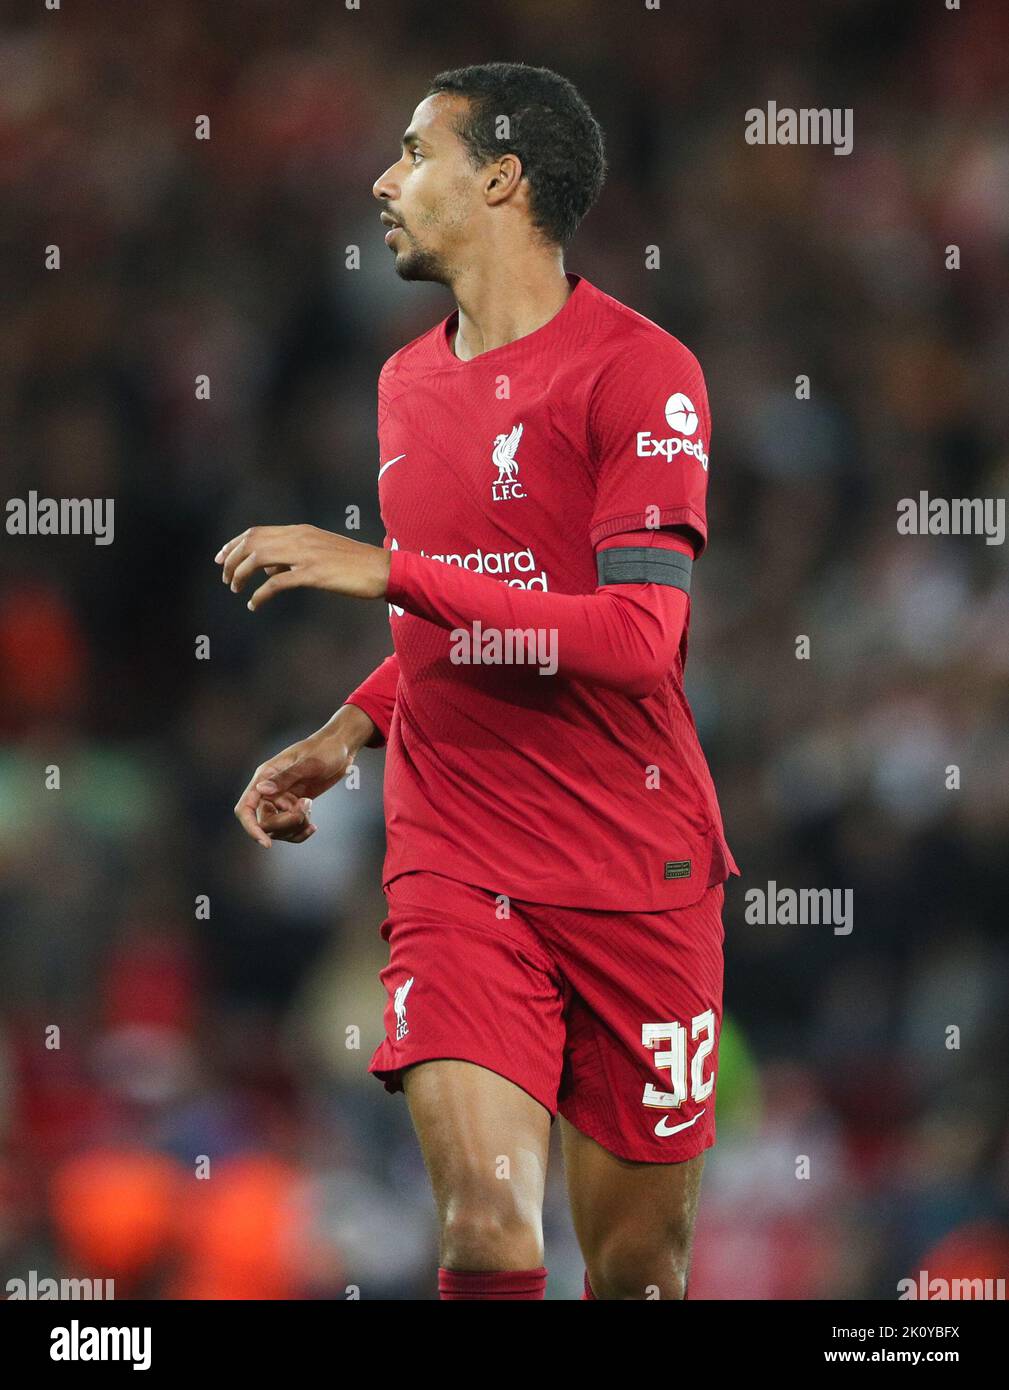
(651, 447)
(681, 416)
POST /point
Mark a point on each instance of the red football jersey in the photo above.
(518, 464)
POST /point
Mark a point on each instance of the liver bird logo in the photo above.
(505, 449)
(399, 1005)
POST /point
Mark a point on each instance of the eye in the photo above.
(415, 155)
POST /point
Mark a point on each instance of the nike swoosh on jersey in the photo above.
(662, 1129)
(390, 463)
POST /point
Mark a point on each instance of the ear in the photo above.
(505, 177)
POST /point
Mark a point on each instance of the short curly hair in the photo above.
(550, 129)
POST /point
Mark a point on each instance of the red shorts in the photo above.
(613, 1019)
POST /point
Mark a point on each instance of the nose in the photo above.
(385, 186)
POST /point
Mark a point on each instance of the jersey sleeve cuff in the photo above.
(397, 588)
(375, 709)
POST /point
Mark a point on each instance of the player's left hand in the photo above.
(303, 557)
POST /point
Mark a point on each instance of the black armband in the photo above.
(643, 564)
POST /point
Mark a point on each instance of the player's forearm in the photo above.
(355, 727)
(375, 700)
(623, 637)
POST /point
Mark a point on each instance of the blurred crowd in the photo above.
(185, 1020)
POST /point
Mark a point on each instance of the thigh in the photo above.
(480, 1134)
(641, 1205)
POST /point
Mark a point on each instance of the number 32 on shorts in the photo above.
(669, 1043)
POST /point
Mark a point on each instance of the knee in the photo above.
(491, 1230)
(640, 1265)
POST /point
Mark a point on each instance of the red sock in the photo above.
(506, 1283)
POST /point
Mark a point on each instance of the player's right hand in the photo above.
(277, 803)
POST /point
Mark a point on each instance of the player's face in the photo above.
(431, 194)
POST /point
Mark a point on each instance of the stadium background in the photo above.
(227, 1037)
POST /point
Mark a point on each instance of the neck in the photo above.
(506, 299)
